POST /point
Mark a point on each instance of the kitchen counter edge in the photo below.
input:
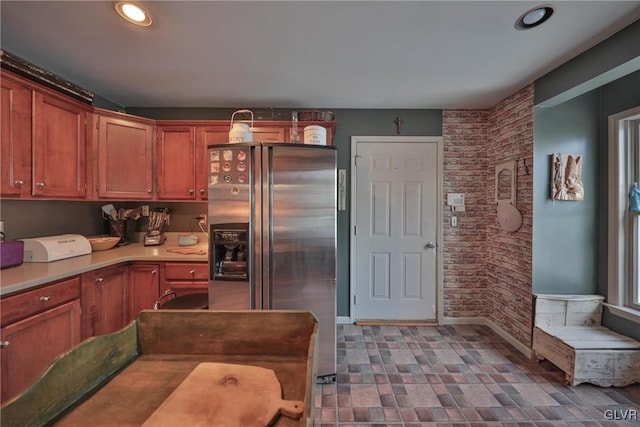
(30, 275)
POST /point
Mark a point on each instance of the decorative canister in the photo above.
(239, 131)
(315, 135)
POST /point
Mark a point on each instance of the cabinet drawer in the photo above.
(17, 307)
(186, 271)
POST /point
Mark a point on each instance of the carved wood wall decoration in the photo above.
(566, 177)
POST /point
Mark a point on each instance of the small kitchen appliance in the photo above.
(54, 248)
(157, 220)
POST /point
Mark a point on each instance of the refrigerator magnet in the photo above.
(242, 156)
(226, 166)
(242, 179)
(242, 167)
(214, 179)
(215, 155)
(215, 167)
(227, 178)
(227, 155)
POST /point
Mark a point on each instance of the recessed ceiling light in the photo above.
(133, 13)
(534, 17)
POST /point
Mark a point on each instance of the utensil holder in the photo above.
(119, 229)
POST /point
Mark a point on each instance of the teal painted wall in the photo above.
(564, 234)
(570, 238)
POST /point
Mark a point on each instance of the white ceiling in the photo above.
(306, 54)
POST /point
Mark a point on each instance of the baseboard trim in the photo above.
(511, 340)
(344, 320)
(463, 321)
(495, 328)
(381, 322)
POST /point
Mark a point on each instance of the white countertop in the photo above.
(32, 274)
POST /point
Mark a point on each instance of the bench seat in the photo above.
(568, 333)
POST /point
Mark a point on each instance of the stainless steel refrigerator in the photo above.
(272, 233)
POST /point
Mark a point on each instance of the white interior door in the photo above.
(395, 229)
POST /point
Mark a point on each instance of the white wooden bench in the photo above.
(568, 333)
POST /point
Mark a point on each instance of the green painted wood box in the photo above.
(122, 378)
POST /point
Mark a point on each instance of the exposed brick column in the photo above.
(509, 255)
(465, 135)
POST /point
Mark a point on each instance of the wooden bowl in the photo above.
(103, 243)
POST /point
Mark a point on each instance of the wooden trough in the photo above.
(124, 378)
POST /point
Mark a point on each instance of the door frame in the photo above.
(438, 140)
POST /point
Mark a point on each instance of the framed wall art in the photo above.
(566, 177)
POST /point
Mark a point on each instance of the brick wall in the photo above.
(509, 255)
(465, 171)
(487, 271)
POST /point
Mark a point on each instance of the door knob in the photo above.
(430, 245)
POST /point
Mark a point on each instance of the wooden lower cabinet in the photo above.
(104, 301)
(186, 278)
(37, 327)
(144, 287)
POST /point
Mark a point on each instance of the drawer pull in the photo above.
(100, 279)
(191, 191)
(40, 185)
(4, 344)
(44, 299)
(153, 271)
(202, 191)
(19, 182)
(192, 272)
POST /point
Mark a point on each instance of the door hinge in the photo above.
(355, 160)
(355, 229)
(354, 300)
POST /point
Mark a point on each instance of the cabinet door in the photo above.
(104, 301)
(125, 158)
(15, 134)
(186, 287)
(30, 345)
(176, 162)
(268, 134)
(144, 285)
(59, 147)
(205, 136)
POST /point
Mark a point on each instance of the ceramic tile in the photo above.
(396, 376)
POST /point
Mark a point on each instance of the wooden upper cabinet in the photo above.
(15, 134)
(205, 136)
(268, 134)
(124, 156)
(59, 147)
(176, 163)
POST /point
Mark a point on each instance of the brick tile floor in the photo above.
(457, 376)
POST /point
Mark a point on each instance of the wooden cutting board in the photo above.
(225, 395)
(187, 251)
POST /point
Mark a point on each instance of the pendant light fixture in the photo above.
(133, 12)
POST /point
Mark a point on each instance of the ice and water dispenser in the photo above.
(230, 252)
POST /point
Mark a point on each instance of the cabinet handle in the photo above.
(191, 191)
(153, 271)
(44, 299)
(192, 272)
(100, 279)
(149, 191)
(202, 191)
(19, 182)
(4, 344)
(40, 185)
